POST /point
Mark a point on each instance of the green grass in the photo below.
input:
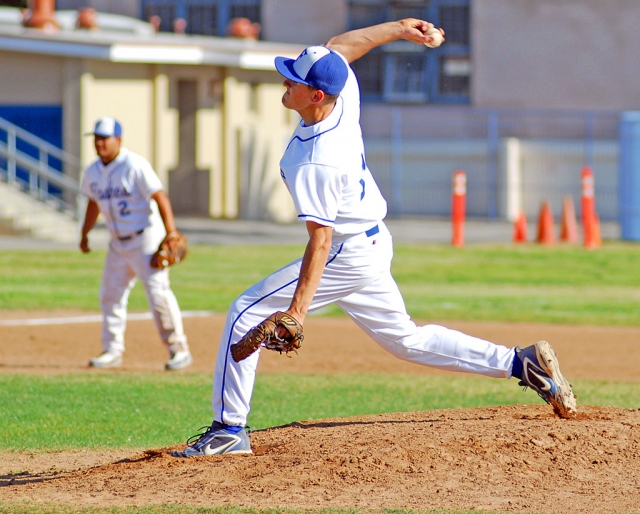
(562, 284)
(210, 279)
(49, 413)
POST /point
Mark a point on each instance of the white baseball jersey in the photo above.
(326, 172)
(122, 190)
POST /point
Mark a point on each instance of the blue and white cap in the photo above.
(107, 127)
(316, 66)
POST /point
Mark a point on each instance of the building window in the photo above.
(206, 17)
(409, 73)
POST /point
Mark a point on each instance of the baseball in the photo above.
(437, 38)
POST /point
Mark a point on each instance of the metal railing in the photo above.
(39, 168)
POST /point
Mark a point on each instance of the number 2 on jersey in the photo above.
(124, 211)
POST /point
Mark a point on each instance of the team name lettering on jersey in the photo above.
(109, 192)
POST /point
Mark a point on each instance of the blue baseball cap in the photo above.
(107, 127)
(316, 66)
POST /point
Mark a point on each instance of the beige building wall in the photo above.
(164, 127)
(139, 98)
(197, 162)
(240, 132)
(129, 98)
(209, 155)
(256, 131)
(278, 203)
(579, 54)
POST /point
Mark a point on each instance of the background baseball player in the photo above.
(124, 188)
(348, 257)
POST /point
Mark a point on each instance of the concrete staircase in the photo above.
(25, 215)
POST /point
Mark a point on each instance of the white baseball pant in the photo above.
(127, 261)
(358, 279)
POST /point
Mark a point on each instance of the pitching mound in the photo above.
(511, 458)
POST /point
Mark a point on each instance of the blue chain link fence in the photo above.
(514, 159)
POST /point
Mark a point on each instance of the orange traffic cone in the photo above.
(569, 229)
(520, 229)
(596, 229)
(546, 225)
(458, 209)
(594, 238)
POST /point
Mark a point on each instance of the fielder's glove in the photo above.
(266, 334)
(172, 250)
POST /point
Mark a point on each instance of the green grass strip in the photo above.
(533, 283)
(49, 413)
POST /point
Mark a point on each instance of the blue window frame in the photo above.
(206, 17)
(409, 73)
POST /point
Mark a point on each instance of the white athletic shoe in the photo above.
(106, 360)
(179, 359)
(541, 372)
(216, 440)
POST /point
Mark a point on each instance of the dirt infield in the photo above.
(511, 458)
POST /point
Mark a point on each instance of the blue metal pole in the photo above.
(629, 176)
(492, 142)
(590, 140)
(396, 160)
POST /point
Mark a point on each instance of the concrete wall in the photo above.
(525, 53)
(28, 79)
(308, 22)
(556, 53)
(126, 8)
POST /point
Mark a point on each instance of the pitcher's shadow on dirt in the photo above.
(332, 424)
(13, 479)
(306, 425)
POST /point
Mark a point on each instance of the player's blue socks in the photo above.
(516, 368)
(232, 429)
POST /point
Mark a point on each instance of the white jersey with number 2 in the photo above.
(122, 190)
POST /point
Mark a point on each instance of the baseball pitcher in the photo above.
(347, 260)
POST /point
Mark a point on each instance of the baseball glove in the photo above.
(172, 250)
(266, 334)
